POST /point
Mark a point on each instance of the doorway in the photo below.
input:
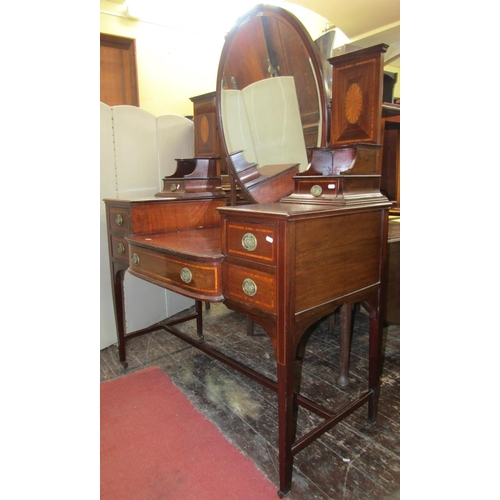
(118, 71)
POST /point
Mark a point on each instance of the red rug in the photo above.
(156, 445)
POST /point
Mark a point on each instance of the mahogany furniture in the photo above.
(284, 264)
(280, 264)
(206, 133)
(151, 217)
(193, 177)
(390, 159)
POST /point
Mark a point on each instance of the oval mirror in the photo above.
(270, 97)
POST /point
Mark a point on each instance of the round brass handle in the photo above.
(135, 259)
(118, 220)
(186, 275)
(249, 287)
(316, 190)
(173, 187)
(121, 248)
(249, 242)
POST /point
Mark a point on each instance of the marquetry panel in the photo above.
(357, 96)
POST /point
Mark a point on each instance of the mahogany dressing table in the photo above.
(283, 265)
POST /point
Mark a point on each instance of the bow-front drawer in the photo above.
(256, 242)
(200, 280)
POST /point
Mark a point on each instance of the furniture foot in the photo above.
(282, 494)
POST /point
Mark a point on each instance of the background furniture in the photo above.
(283, 265)
(137, 150)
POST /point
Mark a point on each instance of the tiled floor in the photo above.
(354, 460)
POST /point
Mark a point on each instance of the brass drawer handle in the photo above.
(316, 190)
(186, 275)
(173, 187)
(135, 259)
(249, 242)
(118, 220)
(121, 248)
(249, 287)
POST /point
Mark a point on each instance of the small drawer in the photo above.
(317, 188)
(193, 278)
(255, 242)
(173, 186)
(119, 219)
(119, 248)
(250, 287)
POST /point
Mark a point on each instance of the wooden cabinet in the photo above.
(389, 183)
(206, 132)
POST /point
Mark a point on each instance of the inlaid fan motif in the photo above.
(353, 103)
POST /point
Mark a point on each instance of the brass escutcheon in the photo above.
(135, 259)
(249, 287)
(121, 248)
(186, 275)
(316, 190)
(249, 242)
(118, 220)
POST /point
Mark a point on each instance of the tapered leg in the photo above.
(199, 318)
(249, 327)
(345, 343)
(375, 355)
(285, 426)
(118, 280)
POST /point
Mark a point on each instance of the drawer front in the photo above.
(249, 286)
(256, 242)
(119, 220)
(174, 187)
(194, 278)
(119, 248)
(317, 188)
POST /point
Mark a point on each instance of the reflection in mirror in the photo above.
(271, 100)
(263, 121)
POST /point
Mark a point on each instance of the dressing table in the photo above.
(283, 264)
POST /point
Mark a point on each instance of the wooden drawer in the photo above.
(119, 248)
(317, 188)
(250, 286)
(192, 278)
(254, 242)
(119, 219)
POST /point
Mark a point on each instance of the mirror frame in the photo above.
(312, 50)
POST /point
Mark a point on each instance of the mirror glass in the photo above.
(269, 59)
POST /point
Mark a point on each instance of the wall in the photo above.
(180, 61)
(172, 64)
(397, 87)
